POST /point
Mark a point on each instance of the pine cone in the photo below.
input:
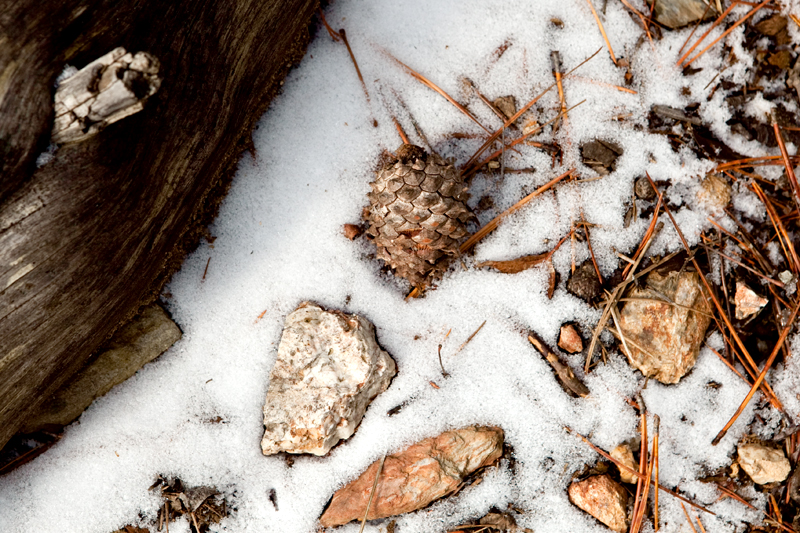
(417, 214)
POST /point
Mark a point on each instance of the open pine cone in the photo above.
(417, 214)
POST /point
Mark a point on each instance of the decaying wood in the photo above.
(110, 88)
(93, 234)
(565, 375)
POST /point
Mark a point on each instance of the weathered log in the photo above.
(89, 237)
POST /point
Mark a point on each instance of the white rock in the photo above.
(328, 370)
(764, 465)
(747, 302)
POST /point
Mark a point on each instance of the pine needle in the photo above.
(372, 494)
(603, 31)
(492, 224)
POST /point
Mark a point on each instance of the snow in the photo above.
(279, 242)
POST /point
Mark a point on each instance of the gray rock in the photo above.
(140, 341)
(328, 370)
(678, 13)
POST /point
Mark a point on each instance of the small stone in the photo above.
(417, 476)
(748, 302)
(507, 105)
(351, 231)
(643, 189)
(603, 498)
(624, 455)
(665, 338)
(329, 368)
(569, 340)
(584, 282)
(715, 193)
(678, 13)
(763, 464)
(601, 156)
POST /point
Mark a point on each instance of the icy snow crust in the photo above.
(279, 242)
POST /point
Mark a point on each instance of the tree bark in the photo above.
(88, 238)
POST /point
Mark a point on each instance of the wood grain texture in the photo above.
(88, 238)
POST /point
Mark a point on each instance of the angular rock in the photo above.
(747, 302)
(664, 339)
(507, 105)
(624, 455)
(569, 340)
(584, 282)
(328, 370)
(417, 476)
(763, 464)
(138, 342)
(603, 498)
(601, 156)
(678, 13)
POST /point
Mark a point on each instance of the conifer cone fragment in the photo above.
(417, 214)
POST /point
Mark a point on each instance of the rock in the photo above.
(140, 341)
(678, 13)
(499, 522)
(747, 302)
(507, 105)
(584, 282)
(763, 464)
(603, 498)
(417, 476)
(643, 189)
(714, 193)
(664, 339)
(351, 231)
(328, 369)
(624, 455)
(569, 340)
(601, 156)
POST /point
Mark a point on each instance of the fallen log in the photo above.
(89, 237)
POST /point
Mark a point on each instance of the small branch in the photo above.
(564, 372)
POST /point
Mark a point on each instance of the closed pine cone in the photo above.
(417, 214)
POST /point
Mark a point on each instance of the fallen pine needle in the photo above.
(691, 524)
(372, 494)
(603, 31)
(761, 376)
(492, 224)
(726, 32)
(470, 338)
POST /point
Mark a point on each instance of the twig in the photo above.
(555, 63)
(492, 224)
(787, 164)
(603, 31)
(372, 494)
(760, 377)
(564, 372)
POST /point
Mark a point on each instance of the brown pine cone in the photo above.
(417, 214)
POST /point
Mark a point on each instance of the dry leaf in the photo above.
(517, 265)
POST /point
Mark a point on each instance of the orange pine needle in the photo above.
(786, 162)
(726, 32)
(494, 136)
(603, 31)
(400, 131)
(691, 524)
(604, 84)
(754, 388)
(492, 224)
(428, 83)
(700, 40)
(655, 473)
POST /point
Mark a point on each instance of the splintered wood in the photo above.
(105, 91)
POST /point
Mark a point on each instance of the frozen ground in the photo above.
(279, 242)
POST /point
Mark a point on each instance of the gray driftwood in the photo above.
(88, 238)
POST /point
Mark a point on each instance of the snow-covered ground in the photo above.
(279, 242)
